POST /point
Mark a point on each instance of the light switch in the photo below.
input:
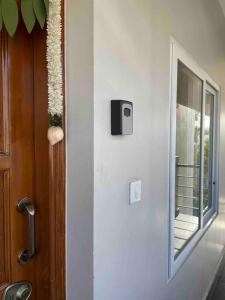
(135, 192)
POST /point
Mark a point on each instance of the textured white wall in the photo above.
(79, 94)
(132, 62)
(130, 58)
(222, 3)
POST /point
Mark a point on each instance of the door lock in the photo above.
(18, 291)
(23, 292)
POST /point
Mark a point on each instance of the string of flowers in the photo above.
(55, 72)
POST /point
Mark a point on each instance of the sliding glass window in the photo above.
(209, 182)
(188, 156)
(193, 157)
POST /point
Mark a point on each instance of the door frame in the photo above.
(57, 200)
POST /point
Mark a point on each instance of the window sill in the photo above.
(176, 265)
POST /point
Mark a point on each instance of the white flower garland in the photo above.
(55, 69)
(54, 59)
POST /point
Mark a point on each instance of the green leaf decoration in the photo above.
(1, 20)
(28, 14)
(47, 6)
(30, 10)
(40, 11)
(10, 15)
(54, 120)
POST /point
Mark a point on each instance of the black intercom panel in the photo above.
(121, 117)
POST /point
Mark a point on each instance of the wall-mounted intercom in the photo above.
(121, 117)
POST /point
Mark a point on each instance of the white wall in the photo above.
(131, 54)
(79, 94)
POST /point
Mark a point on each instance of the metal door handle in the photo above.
(25, 206)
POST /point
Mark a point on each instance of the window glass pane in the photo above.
(208, 151)
(188, 157)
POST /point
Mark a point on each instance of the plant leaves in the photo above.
(55, 120)
(1, 20)
(28, 14)
(40, 12)
(10, 15)
(47, 6)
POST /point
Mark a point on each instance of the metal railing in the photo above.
(186, 192)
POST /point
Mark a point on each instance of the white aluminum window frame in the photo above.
(179, 54)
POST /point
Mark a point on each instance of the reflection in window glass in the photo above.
(188, 157)
(208, 151)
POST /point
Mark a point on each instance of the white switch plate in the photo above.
(135, 192)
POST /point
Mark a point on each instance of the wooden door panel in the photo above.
(21, 154)
(24, 158)
(4, 228)
(42, 161)
(25, 169)
(4, 170)
(4, 104)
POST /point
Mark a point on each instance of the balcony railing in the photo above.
(187, 190)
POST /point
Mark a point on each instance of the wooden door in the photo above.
(24, 158)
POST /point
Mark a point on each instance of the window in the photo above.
(209, 184)
(193, 155)
(188, 157)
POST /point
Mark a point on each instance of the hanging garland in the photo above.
(31, 11)
(55, 72)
